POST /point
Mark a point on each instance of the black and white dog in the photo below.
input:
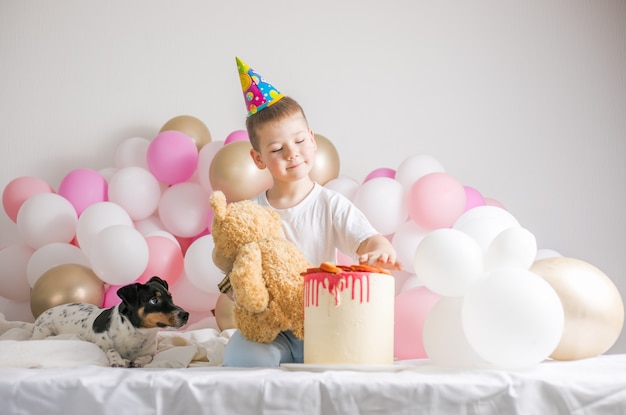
(127, 332)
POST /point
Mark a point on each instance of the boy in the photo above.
(316, 219)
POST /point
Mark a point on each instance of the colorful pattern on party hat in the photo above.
(257, 92)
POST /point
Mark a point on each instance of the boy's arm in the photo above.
(377, 250)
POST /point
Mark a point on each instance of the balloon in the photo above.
(17, 311)
(165, 260)
(83, 188)
(234, 173)
(484, 223)
(63, 284)
(132, 152)
(546, 253)
(344, 185)
(449, 262)
(205, 158)
(13, 263)
(382, 201)
(237, 135)
(326, 166)
(96, 218)
(405, 241)
(189, 297)
(224, 313)
(18, 190)
(436, 200)
(380, 172)
(410, 311)
(473, 198)
(444, 339)
(594, 310)
(118, 254)
(411, 282)
(172, 157)
(136, 190)
(111, 299)
(199, 266)
(414, 167)
(512, 248)
(184, 208)
(150, 225)
(51, 255)
(513, 319)
(192, 127)
(45, 218)
(493, 202)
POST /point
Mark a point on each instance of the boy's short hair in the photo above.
(283, 108)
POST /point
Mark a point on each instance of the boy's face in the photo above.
(286, 148)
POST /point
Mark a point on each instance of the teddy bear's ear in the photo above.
(218, 203)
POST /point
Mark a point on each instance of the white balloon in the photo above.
(51, 255)
(184, 209)
(484, 223)
(416, 166)
(411, 282)
(45, 218)
(97, 217)
(119, 254)
(405, 241)
(512, 248)
(199, 266)
(514, 319)
(136, 190)
(132, 152)
(347, 186)
(444, 340)
(449, 262)
(149, 225)
(382, 201)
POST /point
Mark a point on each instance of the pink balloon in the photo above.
(436, 200)
(83, 188)
(473, 198)
(165, 260)
(411, 308)
(20, 189)
(381, 172)
(237, 135)
(494, 202)
(172, 157)
(110, 296)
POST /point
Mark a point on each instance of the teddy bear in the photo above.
(263, 267)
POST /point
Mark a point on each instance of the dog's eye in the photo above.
(154, 300)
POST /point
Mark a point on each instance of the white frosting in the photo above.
(348, 318)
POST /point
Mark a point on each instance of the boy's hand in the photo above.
(380, 259)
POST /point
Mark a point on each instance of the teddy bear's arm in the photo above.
(246, 279)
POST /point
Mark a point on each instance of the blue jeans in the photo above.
(285, 348)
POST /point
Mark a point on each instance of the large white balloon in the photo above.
(51, 255)
(512, 248)
(199, 266)
(514, 319)
(119, 254)
(136, 190)
(45, 218)
(97, 217)
(416, 166)
(347, 186)
(382, 201)
(184, 209)
(484, 223)
(449, 262)
(132, 152)
(405, 241)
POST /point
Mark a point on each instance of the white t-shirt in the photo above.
(322, 223)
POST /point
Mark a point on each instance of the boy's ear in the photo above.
(256, 158)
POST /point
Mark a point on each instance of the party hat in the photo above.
(257, 92)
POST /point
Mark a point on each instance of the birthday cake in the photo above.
(348, 315)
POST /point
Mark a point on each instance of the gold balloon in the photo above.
(233, 172)
(594, 311)
(192, 127)
(326, 167)
(67, 283)
(224, 312)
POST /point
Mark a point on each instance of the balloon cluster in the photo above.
(147, 215)
(476, 294)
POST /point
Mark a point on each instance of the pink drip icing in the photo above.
(336, 284)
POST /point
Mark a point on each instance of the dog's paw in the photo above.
(115, 360)
(141, 361)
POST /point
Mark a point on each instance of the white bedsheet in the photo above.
(590, 386)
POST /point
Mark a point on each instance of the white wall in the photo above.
(525, 101)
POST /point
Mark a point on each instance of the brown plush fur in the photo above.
(264, 268)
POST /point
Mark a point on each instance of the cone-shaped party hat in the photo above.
(257, 92)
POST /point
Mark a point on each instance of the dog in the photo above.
(127, 332)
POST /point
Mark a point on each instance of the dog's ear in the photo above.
(128, 293)
(160, 281)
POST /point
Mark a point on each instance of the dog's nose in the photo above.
(184, 316)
